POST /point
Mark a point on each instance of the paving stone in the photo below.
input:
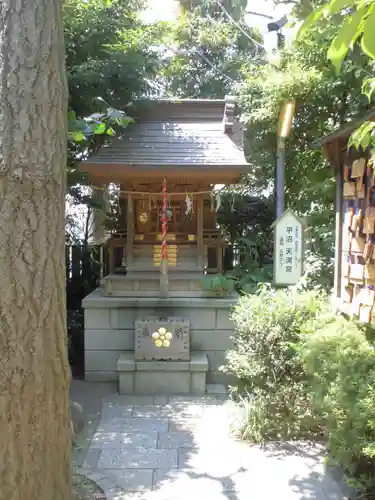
(91, 458)
(131, 479)
(138, 458)
(182, 410)
(161, 400)
(107, 439)
(175, 481)
(134, 425)
(112, 411)
(202, 440)
(129, 400)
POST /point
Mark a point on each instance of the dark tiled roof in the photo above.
(178, 132)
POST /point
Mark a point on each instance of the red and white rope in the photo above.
(164, 223)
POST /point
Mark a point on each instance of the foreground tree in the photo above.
(35, 458)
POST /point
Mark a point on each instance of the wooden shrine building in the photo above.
(165, 167)
(354, 284)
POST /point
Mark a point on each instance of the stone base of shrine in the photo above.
(110, 330)
(162, 377)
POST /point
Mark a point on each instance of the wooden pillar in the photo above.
(200, 247)
(219, 258)
(99, 216)
(129, 231)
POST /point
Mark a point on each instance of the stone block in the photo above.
(162, 382)
(101, 360)
(215, 359)
(163, 366)
(198, 382)
(216, 377)
(201, 319)
(210, 340)
(198, 362)
(125, 362)
(97, 319)
(122, 319)
(126, 382)
(109, 340)
(101, 376)
(223, 321)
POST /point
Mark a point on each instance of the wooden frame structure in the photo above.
(354, 279)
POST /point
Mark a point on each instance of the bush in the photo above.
(266, 361)
(340, 361)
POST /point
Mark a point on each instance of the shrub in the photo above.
(266, 363)
(339, 358)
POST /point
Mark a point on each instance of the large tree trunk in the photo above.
(35, 449)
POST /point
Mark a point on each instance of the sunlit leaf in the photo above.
(100, 129)
(336, 6)
(310, 21)
(368, 39)
(347, 35)
(77, 136)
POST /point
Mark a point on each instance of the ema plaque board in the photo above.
(162, 339)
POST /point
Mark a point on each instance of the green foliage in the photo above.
(209, 51)
(339, 360)
(323, 102)
(266, 362)
(219, 285)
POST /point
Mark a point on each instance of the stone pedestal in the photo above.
(162, 377)
(110, 325)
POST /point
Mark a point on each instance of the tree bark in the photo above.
(35, 447)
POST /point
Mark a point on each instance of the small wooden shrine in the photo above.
(166, 166)
(151, 309)
(354, 286)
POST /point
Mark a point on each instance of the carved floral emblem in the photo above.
(162, 338)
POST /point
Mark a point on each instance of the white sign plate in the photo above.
(288, 249)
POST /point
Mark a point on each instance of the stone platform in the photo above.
(162, 377)
(110, 322)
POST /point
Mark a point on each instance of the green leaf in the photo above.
(77, 136)
(310, 21)
(100, 129)
(368, 87)
(336, 6)
(347, 35)
(368, 39)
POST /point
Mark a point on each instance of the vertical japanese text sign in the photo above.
(288, 249)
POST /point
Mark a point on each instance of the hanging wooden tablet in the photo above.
(365, 313)
(357, 274)
(349, 189)
(357, 244)
(358, 168)
(361, 192)
(355, 304)
(367, 296)
(349, 217)
(346, 269)
(347, 293)
(356, 221)
(369, 272)
(368, 251)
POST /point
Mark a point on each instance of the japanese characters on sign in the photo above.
(288, 249)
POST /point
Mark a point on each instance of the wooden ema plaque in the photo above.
(162, 339)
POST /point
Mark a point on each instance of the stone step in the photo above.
(162, 377)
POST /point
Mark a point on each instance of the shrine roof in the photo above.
(177, 133)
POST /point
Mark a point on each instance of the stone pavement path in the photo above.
(177, 448)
